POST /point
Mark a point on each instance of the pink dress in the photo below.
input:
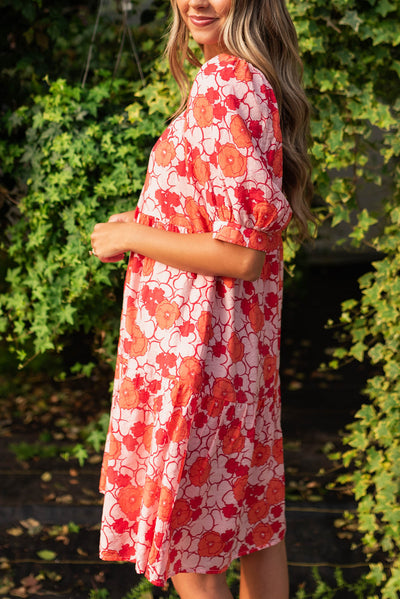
(193, 467)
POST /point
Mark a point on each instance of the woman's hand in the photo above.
(101, 245)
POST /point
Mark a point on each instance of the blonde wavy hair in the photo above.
(262, 33)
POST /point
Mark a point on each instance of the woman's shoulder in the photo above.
(231, 76)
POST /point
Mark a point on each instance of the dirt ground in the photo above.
(50, 508)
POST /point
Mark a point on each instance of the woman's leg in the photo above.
(264, 574)
(201, 586)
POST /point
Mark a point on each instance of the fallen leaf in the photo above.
(19, 592)
(4, 564)
(31, 584)
(64, 499)
(15, 531)
(6, 585)
(47, 555)
(32, 526)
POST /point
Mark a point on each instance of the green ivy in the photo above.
(85, 157)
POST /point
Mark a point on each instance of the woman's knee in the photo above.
(199, 586)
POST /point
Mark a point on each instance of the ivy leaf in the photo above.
(352, 19)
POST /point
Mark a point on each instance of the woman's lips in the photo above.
(202, 21)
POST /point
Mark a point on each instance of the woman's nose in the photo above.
(198, 3)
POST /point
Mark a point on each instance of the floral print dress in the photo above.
(193, 467)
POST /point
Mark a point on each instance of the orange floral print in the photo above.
(231, 236)
(177, 427)
(148, 266)
(181, 513)
(277, 164)
(257, 511)
(198, 216)
(151, 491)
(204, 327)
(258, 240)
(181, 394)
(276, 124)
(166, 504)
(130, 499)
(166, 314)
(277, 450)
(202, 111)
(111, 555)
(114, 448)
(265, 214)
(228, 282)
(256, 318)
(164, 152)
(242, 71)
(269, 367)
(239, 488)
(231, 161)
(191, 372)
(261, 454)
(139, 342)
(233, 441)
(235, 348)
(201, 170)
(199, 472)
(210, 544)
(240, 133)
(275, 491)
(131, 313)
(224, 213)
(154, 554)
(129, 397)
(180, 220)
(224, 390)
(147, 437)
(262, 533)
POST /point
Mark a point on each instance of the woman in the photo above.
(193, 468)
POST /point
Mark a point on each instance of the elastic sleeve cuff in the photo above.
(246, 237)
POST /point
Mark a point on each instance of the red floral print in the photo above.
(193, 468)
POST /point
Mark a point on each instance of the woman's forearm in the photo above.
(193, 252)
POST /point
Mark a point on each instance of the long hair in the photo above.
(262, 33)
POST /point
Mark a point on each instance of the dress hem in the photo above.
(162, 583)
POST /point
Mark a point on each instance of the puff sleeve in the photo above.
(233, 150)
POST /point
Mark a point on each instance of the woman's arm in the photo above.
(194, 252)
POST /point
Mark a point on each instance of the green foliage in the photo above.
(85, 157)
(360, 589)
(352, 57)
(26, 451)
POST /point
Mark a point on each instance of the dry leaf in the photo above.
(15, 531)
